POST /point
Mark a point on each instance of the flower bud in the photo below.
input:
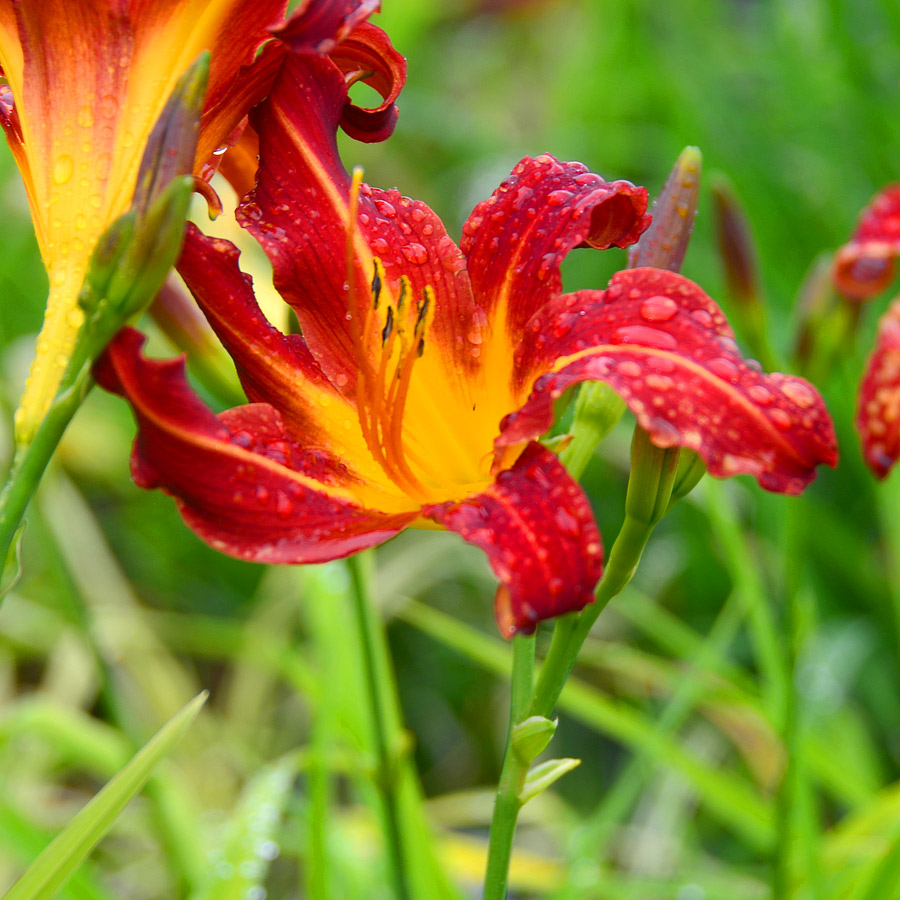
(665, 242)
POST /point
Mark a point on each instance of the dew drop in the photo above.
(415, 253)
(659, 382)
(109, 106)
(645, 336)
(628, 368)
(558, 198)
(759, 394)
(658, 309)
(663, 433)
(724, 369)
(283, 506)
(380, 245)
(63, 168)
(417, 215)
(798, 393)
(262, 495)
(780, 419)
(85, 117)
(341, 379)
(385, 208)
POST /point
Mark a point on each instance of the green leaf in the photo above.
(531, 736)
(541, 777)
(46, 875)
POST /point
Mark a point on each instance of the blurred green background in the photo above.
(709, 770)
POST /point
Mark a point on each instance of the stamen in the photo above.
(388, 326)
(377, 282)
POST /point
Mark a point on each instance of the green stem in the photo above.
(385, 720)
(31, 459)
(649, 490)
(512, 775)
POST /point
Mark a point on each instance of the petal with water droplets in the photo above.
(536, 526)
(680, 374)
(240, 480)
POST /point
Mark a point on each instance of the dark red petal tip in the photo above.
(865, 265)
(537, 528)
(878, 415)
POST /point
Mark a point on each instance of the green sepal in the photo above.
(653, 471)
(544, 775)
(153, 250)
(531, 736)
(108, 255)
(598, 410)
(691, 468)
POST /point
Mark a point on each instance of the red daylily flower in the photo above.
(85, 83)
(864, 267)
(425, 372)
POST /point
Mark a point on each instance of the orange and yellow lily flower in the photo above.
(426, 372)
(85, 83)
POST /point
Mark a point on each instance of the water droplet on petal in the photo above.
(629, 368)
(658, 309)
(724, 369)
(109, 106)
(798, 393)
(558, 198)
(385, 208)
(63, 168)
(283, 506)
(415, 253)
(781, 419)
(663, 433)
(759, 394)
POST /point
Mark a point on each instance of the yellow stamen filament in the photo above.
(397, 340)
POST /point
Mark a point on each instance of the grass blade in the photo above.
(70, 847)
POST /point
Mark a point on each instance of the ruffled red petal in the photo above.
(516, 240)
(664, 345)
(537, 528)
(878, 415)
(865, 265)
(241, 482)
(299, 213)
(317, 26)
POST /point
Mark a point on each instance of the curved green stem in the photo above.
(653, 472)
(512, 775)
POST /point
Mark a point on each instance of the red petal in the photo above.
(367, 54)
(878, 417)
(298, 209)
(317, 25)
(665, 346)
(865, 266)
(241, 483)
(516, 240)
(299, 213)
(537, 528)
(273, 367)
